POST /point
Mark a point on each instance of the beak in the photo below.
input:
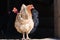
(32, 7)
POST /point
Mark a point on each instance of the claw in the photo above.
(23, 38)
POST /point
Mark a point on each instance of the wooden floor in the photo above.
(32, 39)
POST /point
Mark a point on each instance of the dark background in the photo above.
(45, 28)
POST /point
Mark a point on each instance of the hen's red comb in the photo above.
(15, 10)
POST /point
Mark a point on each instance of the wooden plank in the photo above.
(57, 17)
(31, 39)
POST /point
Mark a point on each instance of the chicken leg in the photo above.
(27, 37)
(23, 36)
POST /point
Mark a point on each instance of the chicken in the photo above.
(24, 22)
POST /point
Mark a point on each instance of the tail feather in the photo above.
(35, 19)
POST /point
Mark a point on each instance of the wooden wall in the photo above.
(57, 17)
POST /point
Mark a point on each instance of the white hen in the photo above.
(24, 22)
